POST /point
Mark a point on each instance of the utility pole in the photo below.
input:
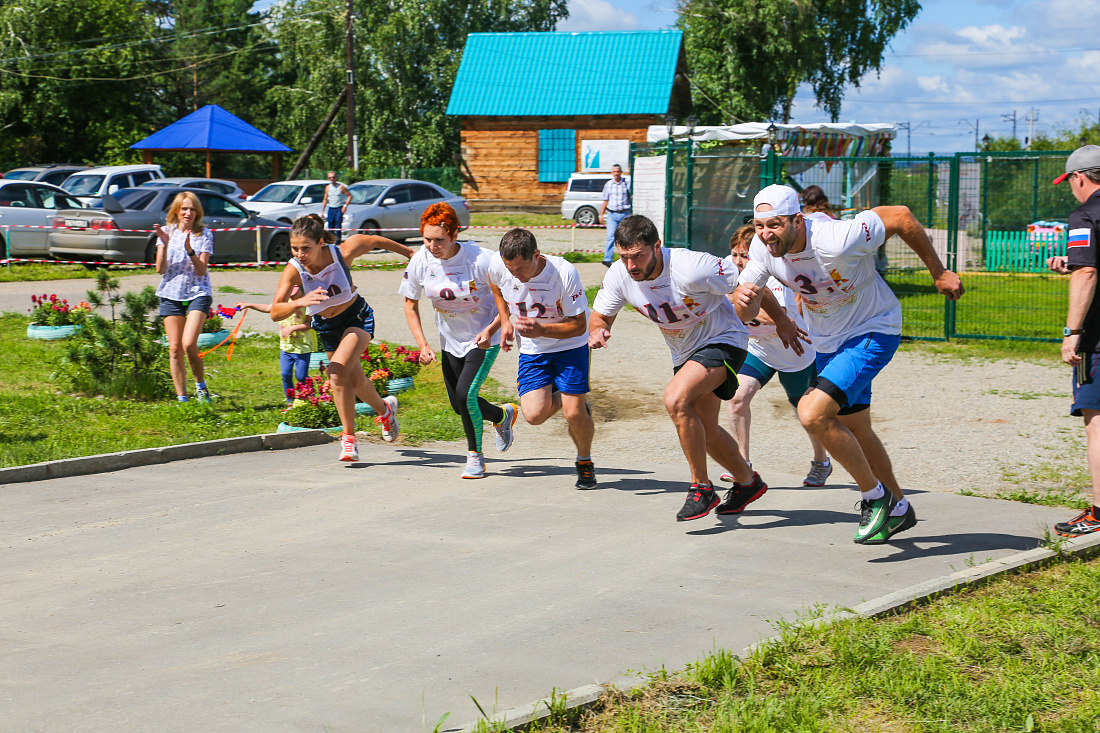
(976, 124)
(908, 138)
(1032, 115)
(1011, 118)
(353, 137)
(1089, 112)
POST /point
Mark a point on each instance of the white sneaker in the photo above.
(475, 466)
(505, 434)
(349, 449)
(390, 428)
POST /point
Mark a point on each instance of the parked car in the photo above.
(91, 184)
(394, 206)
(32, 205)
(52, 173)
(217, 185)
(285, 201)
(107, 233)
(583, 195)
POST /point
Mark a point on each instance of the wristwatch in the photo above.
(1067, 331)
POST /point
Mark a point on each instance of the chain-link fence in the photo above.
(993, 217)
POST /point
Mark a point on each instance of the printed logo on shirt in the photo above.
(866, 231)
(837, 278)
(575, 296)
(1079, 238)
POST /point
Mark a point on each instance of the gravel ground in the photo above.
(949, 423)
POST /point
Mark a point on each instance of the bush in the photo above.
(313, 406)
(383, 362)
(122, 357)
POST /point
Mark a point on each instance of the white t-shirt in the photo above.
(553, 295)
(687, 301)
(180, 281)
(843, 295)
(764, 341)
(459, 290)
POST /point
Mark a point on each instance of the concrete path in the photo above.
(287, 592)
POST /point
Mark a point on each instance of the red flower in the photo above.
(53, 298)
(290, 392)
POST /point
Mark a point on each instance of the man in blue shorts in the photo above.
(855, 324)
(546, 296)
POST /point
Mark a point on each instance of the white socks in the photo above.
(901, 508)
(876, 493)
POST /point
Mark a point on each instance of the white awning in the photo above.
(759, 131)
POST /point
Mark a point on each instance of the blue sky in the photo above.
(960, 63)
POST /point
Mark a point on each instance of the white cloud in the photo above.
(598, 15)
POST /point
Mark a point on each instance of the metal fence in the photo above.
(993, 217)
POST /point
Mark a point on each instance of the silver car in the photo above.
(392, 207)
(53, 173)
(27, 211)
(217, 185)
(285, 201)
(122, 229)
(584, 196)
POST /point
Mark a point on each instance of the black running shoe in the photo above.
(586, 475)
(1084, 523)
(700, 500)
(740, 496)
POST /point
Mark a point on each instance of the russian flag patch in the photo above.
(1079, 238)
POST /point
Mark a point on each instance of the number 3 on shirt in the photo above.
(806, 285)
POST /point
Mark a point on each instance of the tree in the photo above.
(406, 57)
(747, 58)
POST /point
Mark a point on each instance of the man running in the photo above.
(684, 293)
(855, 323)
(546, 296)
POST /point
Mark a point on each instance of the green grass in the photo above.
(41, 422)
(1021, 654)
(36, 271)
(516, 219)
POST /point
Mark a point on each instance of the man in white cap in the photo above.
(684, 293)
(1081, 335)
(855, 324)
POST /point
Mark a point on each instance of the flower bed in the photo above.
(53, 318)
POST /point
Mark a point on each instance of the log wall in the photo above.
(502, 154)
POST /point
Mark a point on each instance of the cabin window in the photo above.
(557, 155)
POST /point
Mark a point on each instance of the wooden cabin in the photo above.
(536, 107)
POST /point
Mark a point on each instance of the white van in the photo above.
(583, 195)
(91, 184)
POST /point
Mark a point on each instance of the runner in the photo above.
(546, 295)
(342, 319)
(455, 277)
(766, 358)
(684, 293)
(855, 323)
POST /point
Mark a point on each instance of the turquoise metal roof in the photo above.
(565, 74)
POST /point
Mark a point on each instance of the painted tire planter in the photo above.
(284, 428)
(50, 333)
(206, 340)
(316, 359)
(401, 384)
(362, 408)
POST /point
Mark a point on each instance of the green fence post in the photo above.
(668, 192)
(985, 205)
(688, 189)
(931, 192)
(1035, 191)
(952, 241)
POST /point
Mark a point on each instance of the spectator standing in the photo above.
(1081, 335)
(614, 208)
(337, 197)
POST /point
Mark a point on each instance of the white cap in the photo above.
(782, 199)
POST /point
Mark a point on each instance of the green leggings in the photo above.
(464, 376)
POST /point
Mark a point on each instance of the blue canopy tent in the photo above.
(212, 129)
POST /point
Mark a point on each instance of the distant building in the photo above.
(536, 107)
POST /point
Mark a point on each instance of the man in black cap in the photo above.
(1081, 342)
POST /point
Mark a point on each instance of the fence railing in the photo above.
(976, 208)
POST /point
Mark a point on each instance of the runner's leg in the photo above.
(684, 396)
(740, 415)
(818, 413)
(539, 405)
(859, 424)
(475, 371)
(452, 369)
(577, 417)
(345, 373)
(796, 384)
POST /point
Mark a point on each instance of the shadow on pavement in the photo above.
(912, 544)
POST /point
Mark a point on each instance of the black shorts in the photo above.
(720, 355)
(331, 330)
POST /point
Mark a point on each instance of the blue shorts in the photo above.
(330, 331)
(170, 307)
(567, 370)
(794, 383)
(1086, 394)
(846, 374)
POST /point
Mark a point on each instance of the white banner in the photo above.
(649, 189)
(597, 156)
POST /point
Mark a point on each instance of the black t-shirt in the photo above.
(1084, 251)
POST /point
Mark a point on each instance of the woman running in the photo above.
(343, 321)
(184, 249)
(455, 277)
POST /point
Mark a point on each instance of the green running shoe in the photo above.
(893, 526)
(873, 515)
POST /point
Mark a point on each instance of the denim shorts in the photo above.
(183, 307)
(331, 330)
